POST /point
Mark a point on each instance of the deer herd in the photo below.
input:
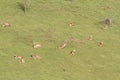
(21, 59)
(34, 56)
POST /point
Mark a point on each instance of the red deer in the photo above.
(6, 25)
(62, 46)
(71, 24)
(35, 56)
(72, 52)
(100, 44)
(35, 45)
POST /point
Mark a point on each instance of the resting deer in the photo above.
(6, 25)
(36, 45)
(62, 46)
(100, 44)
(20, 58)
(71, 24)
(72, 52)
(35, 56)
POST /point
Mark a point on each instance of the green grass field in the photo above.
(47, 22)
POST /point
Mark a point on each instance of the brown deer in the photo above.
(100, 43)
(62, 46)
(72, 52)
(20, 59)
(6, 25)
(35, 56)
(71, 24)
(35, 45)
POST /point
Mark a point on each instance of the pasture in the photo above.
(47, 22)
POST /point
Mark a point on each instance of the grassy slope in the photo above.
(47, 22)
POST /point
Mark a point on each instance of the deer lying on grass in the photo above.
(62, 46)
(35, 45)
(20, 58)
(90, 38)
(100, 44)
(35, 56)
(6, 25)
(72, 52)
(71, 24)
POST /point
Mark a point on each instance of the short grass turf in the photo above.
(47, 22)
